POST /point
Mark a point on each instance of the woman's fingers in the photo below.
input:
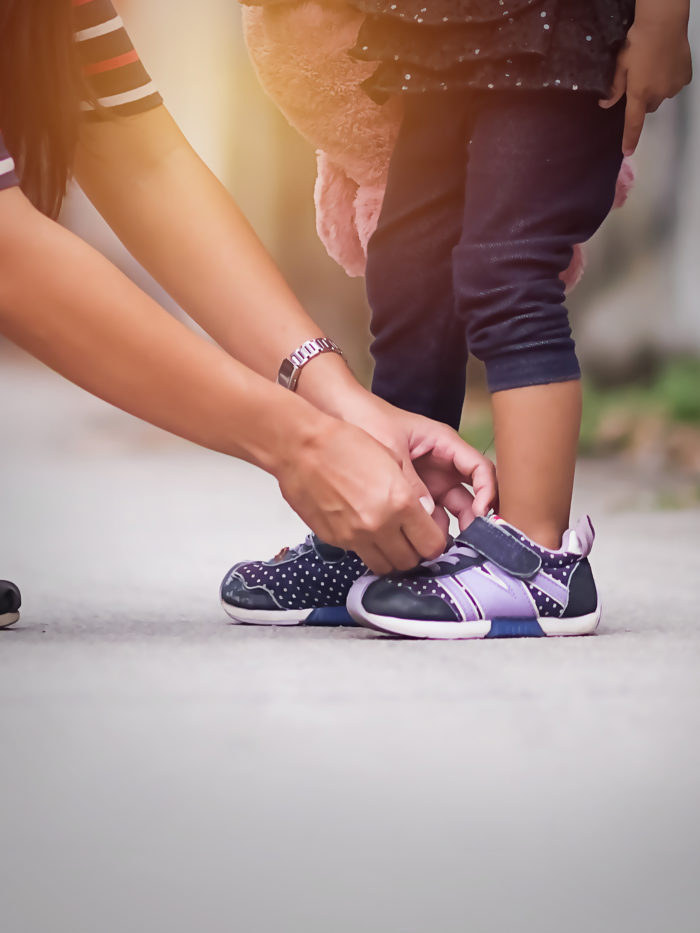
(423, 534)
(442, 519)
(480, 473)
(353, 492)
(460, 502)
(485, 486)
(419, 488)
(403, 546)
(377, 562)
(400, 553)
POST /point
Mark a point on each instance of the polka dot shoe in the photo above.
(10, 601)
(494, 582)
(306, 584)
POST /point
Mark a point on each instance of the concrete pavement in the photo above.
(165, 771)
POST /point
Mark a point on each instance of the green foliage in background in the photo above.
(673, 396)
(614, 417)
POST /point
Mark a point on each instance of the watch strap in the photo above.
(290, 370)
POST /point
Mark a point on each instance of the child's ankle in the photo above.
(547, 534)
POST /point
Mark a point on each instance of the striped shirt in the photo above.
(111, 67)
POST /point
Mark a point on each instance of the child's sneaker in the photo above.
(10, 601)
(494, 582)
(307, 584)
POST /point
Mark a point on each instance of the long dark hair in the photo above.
(41, 89)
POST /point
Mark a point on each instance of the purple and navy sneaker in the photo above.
(493, 582)
(10, 601)
(307, 584)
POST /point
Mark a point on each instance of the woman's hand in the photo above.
(353, 492)
(432, 451)
(655, 63)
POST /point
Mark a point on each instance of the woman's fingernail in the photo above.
(428, 504)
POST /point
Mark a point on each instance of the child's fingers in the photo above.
(619, 86)
(635, 113)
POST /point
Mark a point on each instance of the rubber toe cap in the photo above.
(236, 592)
(385, 598)
(10, 597)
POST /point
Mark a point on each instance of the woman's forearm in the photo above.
(68, 306)
(179, 221)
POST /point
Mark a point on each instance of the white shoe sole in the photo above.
(8, 619)
(323, 616)
(482, 628)
(262, 617)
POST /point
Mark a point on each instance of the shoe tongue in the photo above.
(579, 539)
(327, 551)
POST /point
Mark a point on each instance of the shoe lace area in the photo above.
(458, 555)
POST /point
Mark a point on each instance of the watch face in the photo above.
(284, 377)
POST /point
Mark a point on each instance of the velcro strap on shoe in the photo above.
(502, 549)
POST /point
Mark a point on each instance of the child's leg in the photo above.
(536, 429)
(420, 347)
(542, 172)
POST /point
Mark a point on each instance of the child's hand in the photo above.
(655, 63)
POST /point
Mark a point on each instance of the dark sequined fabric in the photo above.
(427, 45)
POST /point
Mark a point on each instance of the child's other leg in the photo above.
(542, 172)
(420, 347)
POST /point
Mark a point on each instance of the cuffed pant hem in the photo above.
(539, 366)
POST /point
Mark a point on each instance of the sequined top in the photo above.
(426, 45)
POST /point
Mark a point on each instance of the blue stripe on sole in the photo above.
(330, 615)
(515, 628)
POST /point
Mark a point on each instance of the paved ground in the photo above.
(165, 771)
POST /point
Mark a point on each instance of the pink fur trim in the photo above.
(368, 204)
(572, 276)
(625, 182)
(334, 196)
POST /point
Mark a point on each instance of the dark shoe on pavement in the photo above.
(10, 601)
(494, 582)
(307, 584)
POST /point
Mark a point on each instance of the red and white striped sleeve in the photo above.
(111, 66)
(110, 63)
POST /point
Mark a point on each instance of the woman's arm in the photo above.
(182, 225)
(179, 221)
(67, 305)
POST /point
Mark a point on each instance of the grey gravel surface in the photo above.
(163, 770)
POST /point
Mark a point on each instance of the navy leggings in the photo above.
(486, 197)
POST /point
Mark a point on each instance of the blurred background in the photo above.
(165, 771)
(635, 314)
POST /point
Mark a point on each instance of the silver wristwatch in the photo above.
(289, 371)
